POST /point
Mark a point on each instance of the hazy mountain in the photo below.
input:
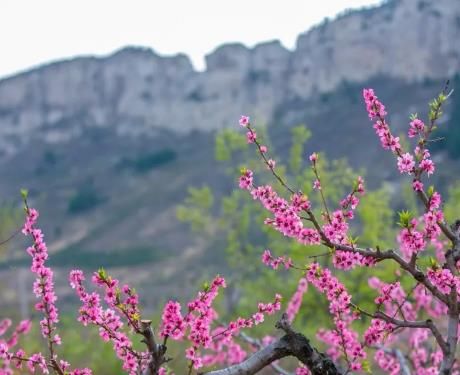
(108, 145)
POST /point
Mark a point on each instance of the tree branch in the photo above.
(258, 344)
(291, 344)
(157, 351)
(391, 254)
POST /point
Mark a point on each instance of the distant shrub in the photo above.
(50, 158)
(83, 200)
(196, 96)
(146, 162)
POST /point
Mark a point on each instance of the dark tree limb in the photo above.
(258, 344)
(157, 351)
(291, 344)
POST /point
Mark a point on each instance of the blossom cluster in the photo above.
(43, 286)
(407, 162)
(196, 325)
(295, 302)
(376, 110)
(7, 354)
(444, 280)
(286, 215)
(108, 320)
(342, 340)
(269, 260)
(198, 320)
(414, 239)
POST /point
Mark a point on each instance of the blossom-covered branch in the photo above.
(331, 230)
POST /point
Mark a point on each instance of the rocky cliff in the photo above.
(136, 92)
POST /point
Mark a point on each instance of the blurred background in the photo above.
(120, 118)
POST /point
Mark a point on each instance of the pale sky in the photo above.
(38, 31)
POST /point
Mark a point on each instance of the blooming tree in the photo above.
(413, 331)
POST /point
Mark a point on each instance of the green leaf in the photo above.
(101, 273)
(24, 193)
(430, 191)
(366, 366)
(404, 218)
(434, 263)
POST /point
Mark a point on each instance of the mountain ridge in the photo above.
(136, 92)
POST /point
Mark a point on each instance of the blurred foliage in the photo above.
(11, 217)
(84, 199)
(77, 257)
(452, 206)
(199, 200)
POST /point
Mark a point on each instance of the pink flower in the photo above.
(258, 318)
(374, 107)
(417, 185)
(316, 185)
(246, 179)
(313, 157)
(377, 331)
(263, 149)
(274, 262)
(302, 371)
(406, 163)
(416, 127)
(266, 257)
(3, 351)
(251, 136)
(271, 163)
(435, 201)
(244, 121)
(360, 187)
(427, 165)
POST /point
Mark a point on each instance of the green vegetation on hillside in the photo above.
(146, 162)
(84, 199)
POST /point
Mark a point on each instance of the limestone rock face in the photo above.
(407, 39)
(135, 92)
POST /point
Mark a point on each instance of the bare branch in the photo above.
(428, 324)
(258, 344)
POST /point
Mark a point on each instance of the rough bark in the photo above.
(291, 344)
